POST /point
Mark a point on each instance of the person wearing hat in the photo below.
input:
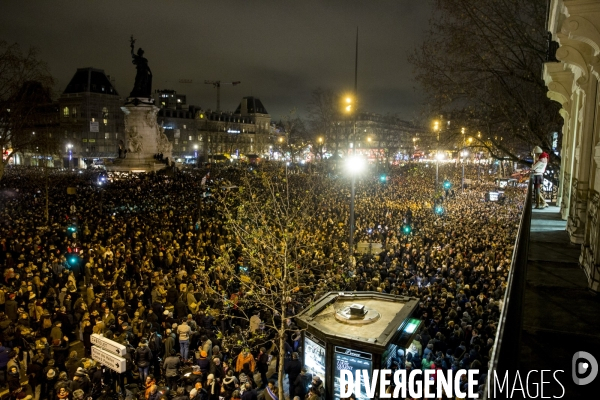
(81, 382)
(203, 363)
(212, 387)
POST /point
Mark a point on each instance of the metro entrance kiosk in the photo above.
(356, 330)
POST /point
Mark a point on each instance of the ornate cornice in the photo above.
(583, 30)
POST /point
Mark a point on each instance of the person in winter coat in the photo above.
(293, 369)
(212, 387)
(203, 362)
(302, 383)
(245, 357)
(143, 358)
(72, 363)
(56, 332)
(171, 367)
(169, 343)
(262, 364)
(11, 308)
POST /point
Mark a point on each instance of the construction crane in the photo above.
(217, 84)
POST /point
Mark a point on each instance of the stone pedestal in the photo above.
(143, 138)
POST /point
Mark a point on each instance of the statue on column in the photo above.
(143, 78)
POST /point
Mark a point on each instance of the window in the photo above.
(66, 112)
(190, 137)
(105, 115)
(74, 112)
(184, 127)
(93, 119)
(183, 148)
(176, 141)
(199, 138)
(106, 135)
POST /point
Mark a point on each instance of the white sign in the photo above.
(94, 126)
(111, 361)
(109, 345)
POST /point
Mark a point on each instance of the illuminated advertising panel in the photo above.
(314, 357)
(351, 360)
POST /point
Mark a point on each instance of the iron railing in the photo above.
(507, 344)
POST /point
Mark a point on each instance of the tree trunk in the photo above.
(281, 361)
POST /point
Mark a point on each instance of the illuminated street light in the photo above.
(439, 156)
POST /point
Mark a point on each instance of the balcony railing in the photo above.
(507, 345)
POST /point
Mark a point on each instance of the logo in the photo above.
(584, 364)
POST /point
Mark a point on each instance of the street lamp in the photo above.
(354, 165)
(463, 154)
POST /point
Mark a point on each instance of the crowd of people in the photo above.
(152, 262)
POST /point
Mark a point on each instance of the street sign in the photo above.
(111, 361)
(108, 345)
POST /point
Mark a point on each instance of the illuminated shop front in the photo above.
(357, 331)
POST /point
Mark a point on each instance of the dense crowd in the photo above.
(139, 260)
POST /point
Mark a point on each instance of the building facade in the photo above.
(91, 120)
(572, 76)
(379, 137)
(203, 134)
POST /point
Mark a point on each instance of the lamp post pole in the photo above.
(463, 156)
(354, 165)
(351, 244)
(436, 128)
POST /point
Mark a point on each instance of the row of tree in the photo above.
(482, 64)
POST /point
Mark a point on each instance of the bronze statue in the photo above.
(143, 77)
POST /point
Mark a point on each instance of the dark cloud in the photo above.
(280, 50)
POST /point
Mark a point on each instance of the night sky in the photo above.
(280, 50)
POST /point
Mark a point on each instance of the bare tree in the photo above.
(481, 62)
(271, 223)
(25, 84)
(325, 118)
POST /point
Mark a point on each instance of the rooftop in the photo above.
(393, 313)
(91, 80)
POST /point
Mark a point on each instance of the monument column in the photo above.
(146, 147)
